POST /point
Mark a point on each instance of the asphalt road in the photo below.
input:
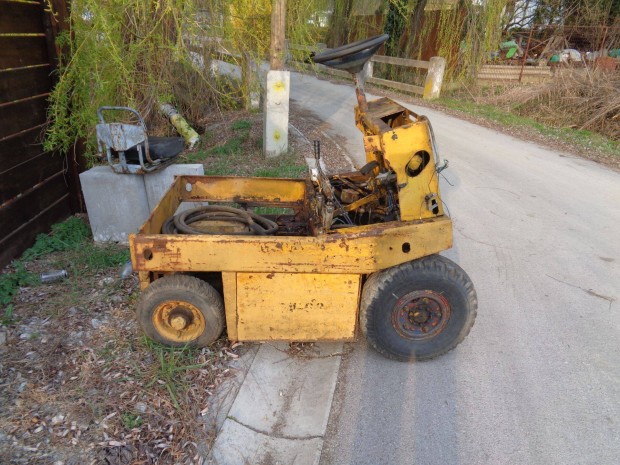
(537, 381)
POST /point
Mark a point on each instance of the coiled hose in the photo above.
(180, 223)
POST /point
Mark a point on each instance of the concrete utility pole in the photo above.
(275, 136)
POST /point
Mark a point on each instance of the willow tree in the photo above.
(142, 53)
(462, 31)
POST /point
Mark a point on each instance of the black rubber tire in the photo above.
(383, 290)
(183, 288)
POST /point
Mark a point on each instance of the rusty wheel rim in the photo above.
(178, 321)
(420, 315)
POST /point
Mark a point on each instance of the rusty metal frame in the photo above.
(356, 249)
(121, 137)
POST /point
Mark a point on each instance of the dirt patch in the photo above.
(81, 385)
(232, 144)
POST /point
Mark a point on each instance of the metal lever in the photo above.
(317, 149)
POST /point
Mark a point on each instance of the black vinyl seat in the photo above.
(160, 148)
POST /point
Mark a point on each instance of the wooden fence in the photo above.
(434, 76)
(35, 186)
(511, 74)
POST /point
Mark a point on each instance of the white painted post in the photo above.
(277, 89)
(275, 134)
(434, 78)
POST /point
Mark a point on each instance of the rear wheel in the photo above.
(179, 310)
(418, 310)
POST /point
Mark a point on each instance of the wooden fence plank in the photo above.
(19, 149)
(20, 83)
(397, 85)
(23, 238)
(14, 214)
(18, 52)
(20, 18)
(22, 115)
(400, 61)
(30, 173)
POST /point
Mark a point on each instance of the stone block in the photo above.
(158, 182)
(116, 203)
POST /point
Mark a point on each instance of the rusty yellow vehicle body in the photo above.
(313, 259)
(302, 288)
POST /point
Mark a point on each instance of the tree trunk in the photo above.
(339, 27)
(415, 29)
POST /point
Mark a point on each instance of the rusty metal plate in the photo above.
(297, 306)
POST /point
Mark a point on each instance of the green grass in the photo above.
(78, 254)
(68, 235)
(580, 138)
(273, 211)
(238, 157)
(241, 124)
(231, 147)
(7, 317)
(99, 257)
(131, 420)
(172, 363)
(9, 286)
(284, 166)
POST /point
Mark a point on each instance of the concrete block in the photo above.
(116, 203)
(158, 182)
(275, 135)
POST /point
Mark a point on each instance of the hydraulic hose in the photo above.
(180, 223)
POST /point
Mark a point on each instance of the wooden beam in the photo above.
(20, 18)
(278, 22)
(400, 61)
(397, 85)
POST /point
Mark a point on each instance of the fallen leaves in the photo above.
(82, 382)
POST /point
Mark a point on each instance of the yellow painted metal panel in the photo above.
(233, 189)
(164, 209)
(229, 280)
(391, 136)
(362, 249)
(297, 306)
(399, 147)
(144, 278)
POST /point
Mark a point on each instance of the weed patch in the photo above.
(583, 140)
(12, 281)
(68, 235)
(237, 151)
(172, 363)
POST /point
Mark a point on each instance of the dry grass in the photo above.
(585, 101)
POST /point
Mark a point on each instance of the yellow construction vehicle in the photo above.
(314, 259)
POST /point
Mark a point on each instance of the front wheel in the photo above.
(179, 310)
(418, 310)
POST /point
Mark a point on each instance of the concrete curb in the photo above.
(281, 411)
